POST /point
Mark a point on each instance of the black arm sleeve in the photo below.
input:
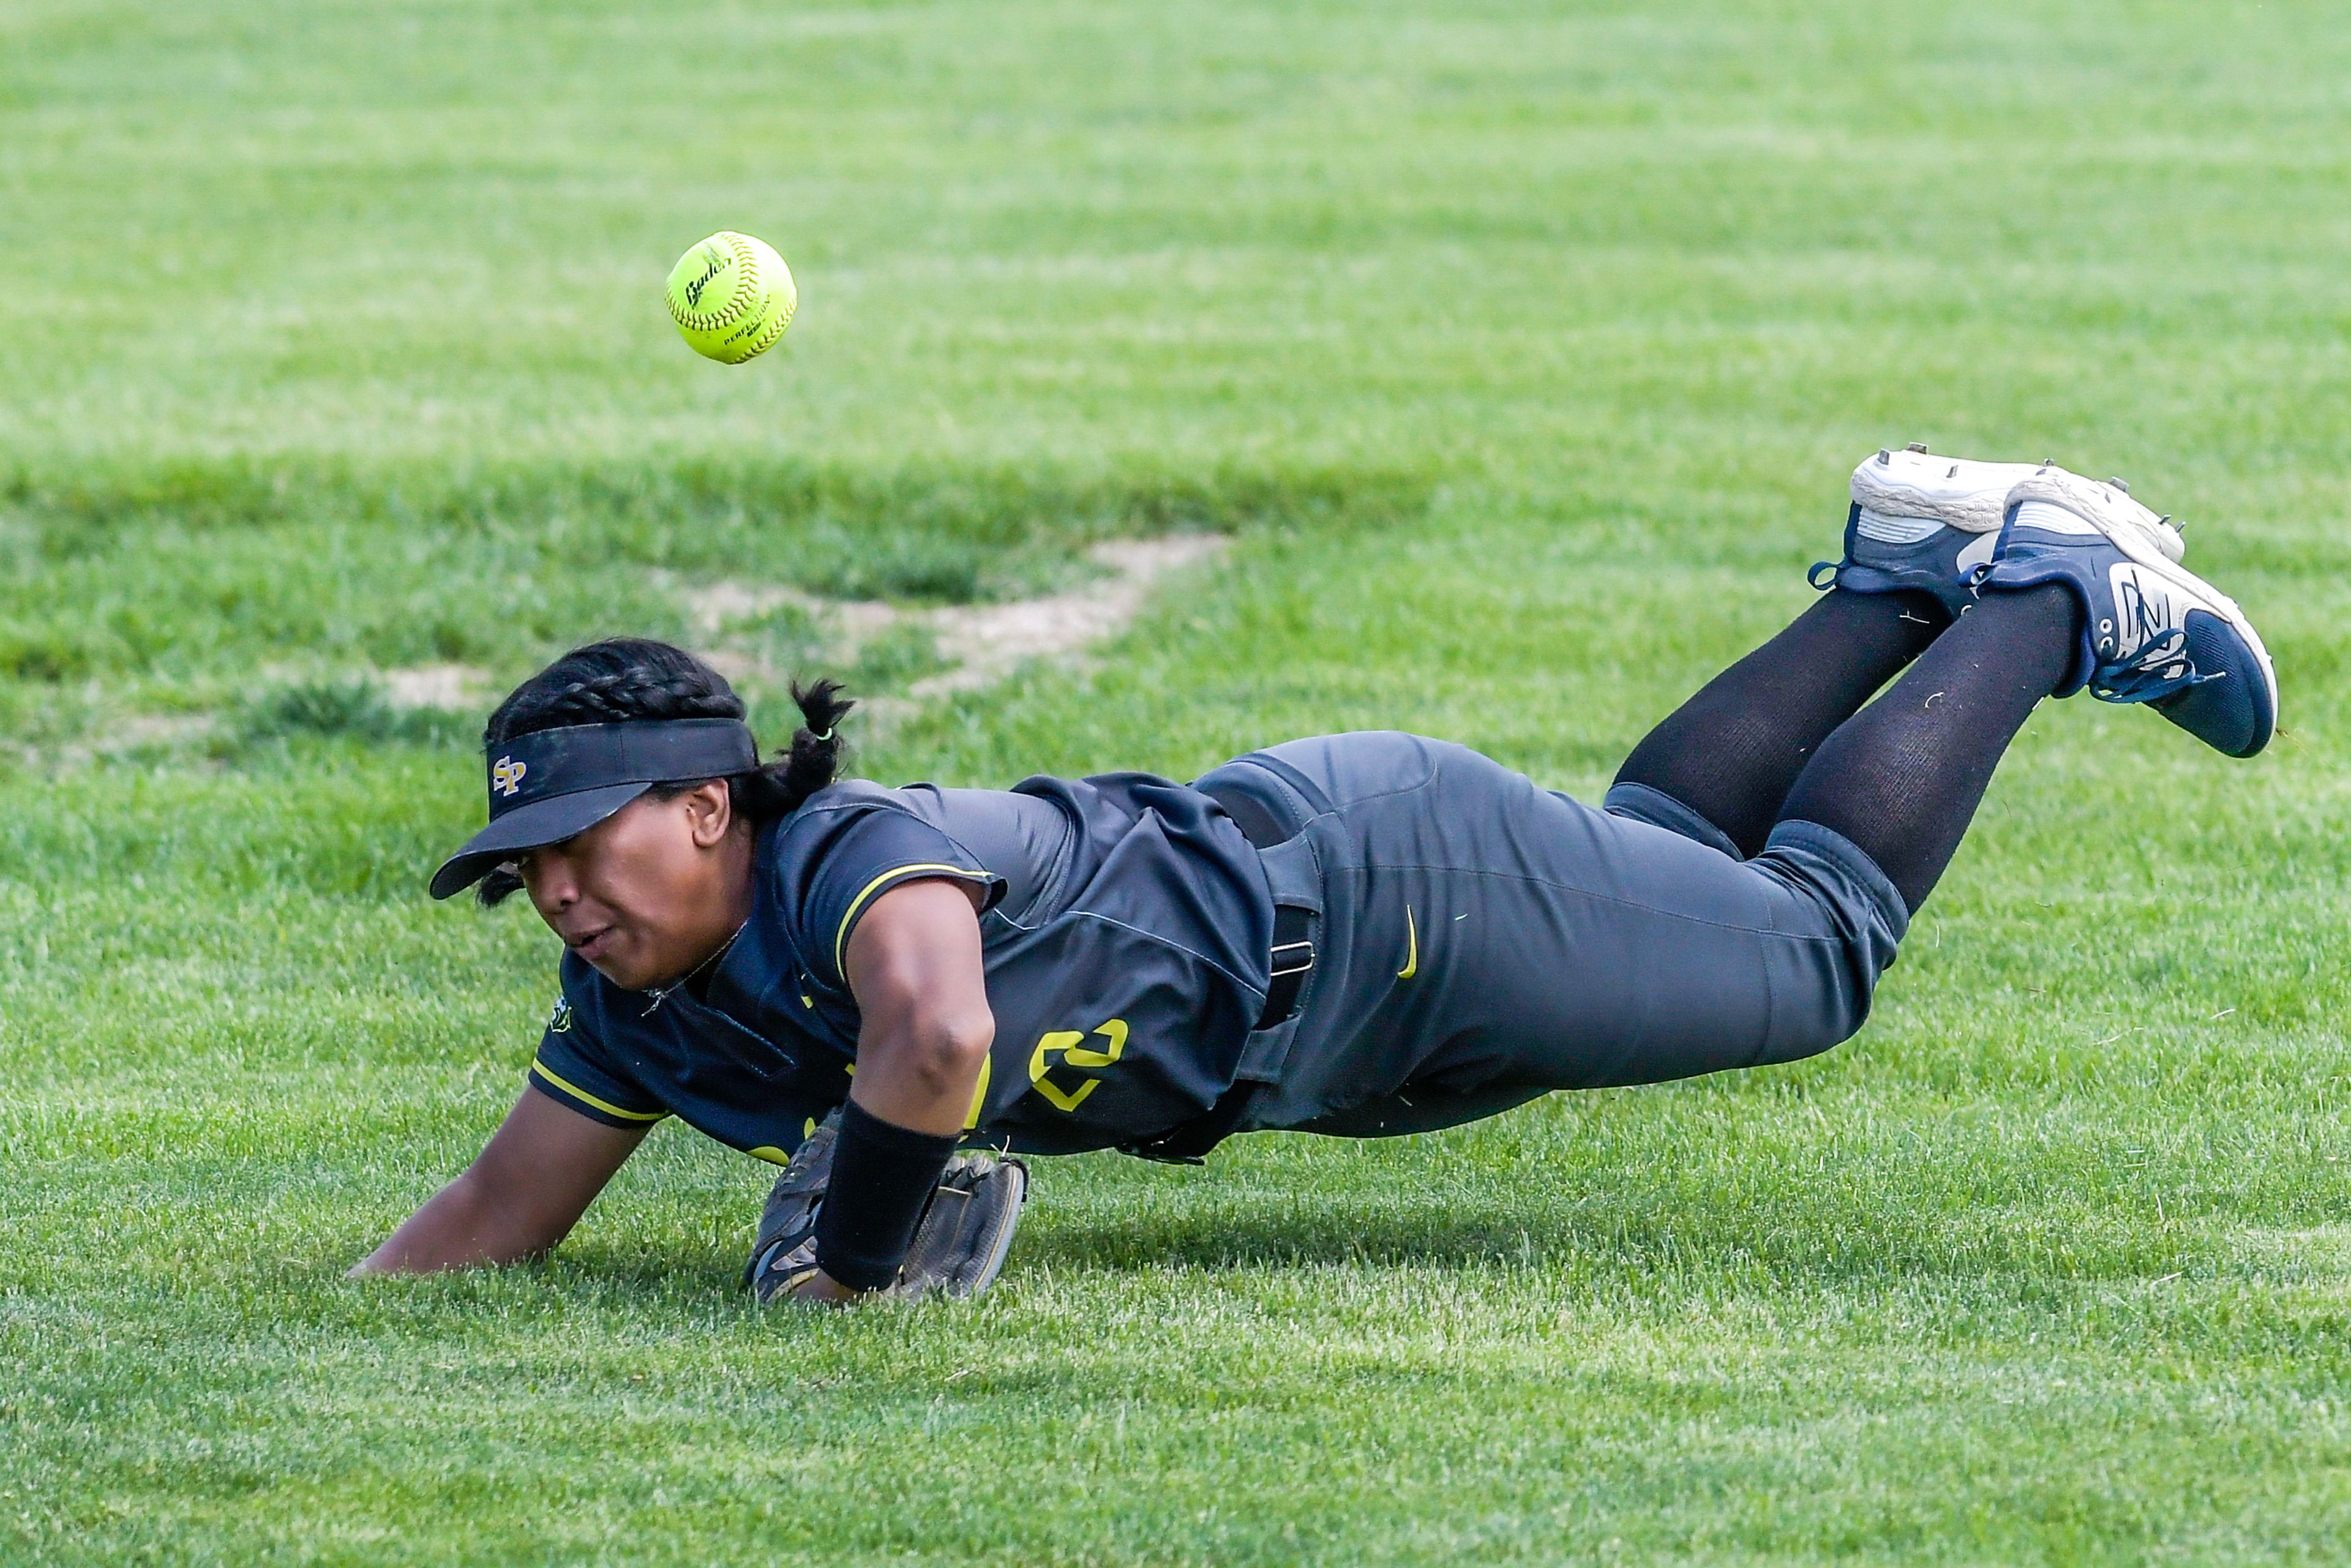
(882, 1177)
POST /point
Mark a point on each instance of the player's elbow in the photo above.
(942, 1055)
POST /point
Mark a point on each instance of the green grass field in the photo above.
(1523, 350)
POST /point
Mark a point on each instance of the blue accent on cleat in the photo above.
(2233, 706)
(2153, 631)
(1890, 555)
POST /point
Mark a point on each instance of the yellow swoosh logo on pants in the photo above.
(1412, 955)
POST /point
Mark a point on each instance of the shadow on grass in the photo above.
(214, 565)
(80, 512)
(1597, 1243)
(1826, 1240)
(1491, 1233)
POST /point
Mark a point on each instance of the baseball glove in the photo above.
(960, 1245)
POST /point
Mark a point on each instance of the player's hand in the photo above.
(783, 1266)
(818, 1287)
(958, 1249)
(792, 1275)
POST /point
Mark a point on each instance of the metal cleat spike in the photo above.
(1884, 457)
(1916, 446)
(2119, 483)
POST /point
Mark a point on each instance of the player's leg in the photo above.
(1488, 941)
(2083, 589)
(2079, 595)
(1903, 776)
(1901, 779)
(1731, 753)
(1919, 532)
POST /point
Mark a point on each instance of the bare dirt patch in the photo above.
(137, 730)
(986, 642)
(462, 687)
(979, 643)
(735, 628)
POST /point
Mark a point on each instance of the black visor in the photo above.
(548, 785)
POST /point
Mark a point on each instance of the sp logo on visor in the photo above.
(505, 776)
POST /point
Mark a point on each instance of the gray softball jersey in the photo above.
(1125, 936)
(1478, 941)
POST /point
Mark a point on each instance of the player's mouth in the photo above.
(591, 944)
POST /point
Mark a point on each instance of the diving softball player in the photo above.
(1360, 934)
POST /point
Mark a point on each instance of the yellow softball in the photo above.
(731, 296)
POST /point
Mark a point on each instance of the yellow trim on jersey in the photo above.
(1412, 954)
(979, 1093)
(841, 938)
(587, 1098)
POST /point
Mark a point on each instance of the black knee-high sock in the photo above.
(1732, 752)
(1902, 778)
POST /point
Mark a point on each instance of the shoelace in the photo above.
(2146, 674)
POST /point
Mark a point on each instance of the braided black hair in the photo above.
(625, 678)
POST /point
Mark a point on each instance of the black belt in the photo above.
(1292, 958)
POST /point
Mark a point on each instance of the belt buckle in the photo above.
(1282, 967)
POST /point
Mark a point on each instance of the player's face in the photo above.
(642, 896)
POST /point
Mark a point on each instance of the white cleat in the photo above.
(1931, 523)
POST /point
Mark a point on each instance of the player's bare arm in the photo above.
(519, 1197)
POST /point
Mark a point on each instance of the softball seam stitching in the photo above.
(745, 269)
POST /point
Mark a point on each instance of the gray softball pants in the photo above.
(1482, 941)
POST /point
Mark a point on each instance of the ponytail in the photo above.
(814, 761)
